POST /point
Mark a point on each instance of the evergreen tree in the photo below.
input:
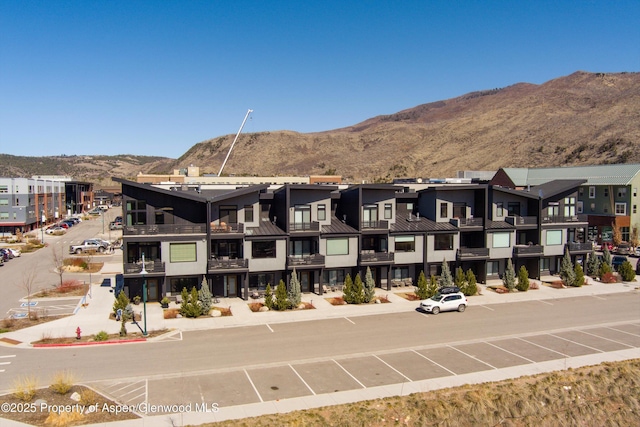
(268, 297)
(369, 286)
(606, 258)
(604, 269)
(281, 302)
(433, 286)
(358, 290)
(204, 296)
(445, 278)
(626, 271)
(523, 279)
(121, 302)
(294, 290)
(567, 272)
(579, 275)
(190, 306)
(422, 289)
(509, 278)
(460, 278)
(472, 284)
(593, 264)
(347, 290)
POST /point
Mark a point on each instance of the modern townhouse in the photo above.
(609, 196)
(240, 239)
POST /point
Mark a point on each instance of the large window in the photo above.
(501, 240)
(136, 212)
(4, 202)
(554, 237)
(388, 211)
(302, 214)
(263, 249)
(369, 216)
(499, 209)
(405, 243)
(4, 188)
(182, 252)
(229, 214)
(334, 277)
(400, 273)
(248, 213)
(444, 210)
(443, 242)
(261, 280)
(492, 268)
(178, 283)
(513, 208)
(322, 212)
(569, 206)
(338, 246)
(545, 264)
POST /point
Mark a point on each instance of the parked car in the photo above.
(63, 225)
(617, 261)
(6, 255)
(115, 225)
(68, 222)
(73, 219)
(623, 249)
(444, 302)
(635, 253)
(55, 230)
(16, 252)
(1, 262)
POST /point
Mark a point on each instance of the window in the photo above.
(622, 192)
(492, 268)
(369, 215)
(569, 206)
(459, 210)
(499, 209)
(338, 246)
(443, 242)
(501, 240)
(444, 212)
(405, 243)
(388, 211)
(606, 192)
(4, 202)
(263, 249)
(322, 212)
(624, 233)
(248, 213)
(4, 188)
(513, 208)
(178, 283)
(605, 208)
(4, 215)
(302, 214)
(635, 209)
(621, 208)
(334, 277)
(400, 273)
(635, 192)
(182, 252)
(554, 237)
(580, 207)
(261, 280)
(229, 214)
(300, 248)
(581, 191)
(545, 263)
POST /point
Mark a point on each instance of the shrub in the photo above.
(121, 303)
(626, 271)
(460, 278)
(509, 279)
(523, 279)
(268, 297)
(567, 272)
(68, 286)
(347, 290)
(369, 286)
(255, 306)
(422, 288)
(358, 290)
(433, 286)
(294, 290)
(204, 296)
(62, 382)
(471, 287)
(281, 302)
(604, 270)
(609, 277)
(171, 313)
(579, 276)
(593, 264)
(101, 336)
(88, 397)
(190, 306)
(24, 388)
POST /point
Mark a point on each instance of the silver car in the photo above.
(444, 302)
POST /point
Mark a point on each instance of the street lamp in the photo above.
(144, 295)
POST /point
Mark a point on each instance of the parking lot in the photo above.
(275, 382)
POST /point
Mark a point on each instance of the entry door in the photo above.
(152, 290)
(305, 281)
(231, 286)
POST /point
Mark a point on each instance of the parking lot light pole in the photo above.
(144, 296)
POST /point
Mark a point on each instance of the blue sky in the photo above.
(157, 77)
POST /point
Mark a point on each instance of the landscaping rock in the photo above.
(378, 301)
(75, 396)
(263, 308)
(216, 313)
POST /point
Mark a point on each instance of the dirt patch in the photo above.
(68, 288)
(46, 401)
(10, 325)
(131, 335)
(411, 296)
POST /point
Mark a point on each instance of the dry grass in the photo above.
(255, 306)
(336, 301)
(171, 313)
(24, 388)
(602, 395)
(62, 382)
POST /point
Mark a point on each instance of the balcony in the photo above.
(150, 267)
(227, 228)
(527, 250)
(522, 220)
(227, 264)
(472, 253)
(304, 226)
(559, 219)
(134, 230)
(367, 257)
(375, 225)
(578, 247)
(315, 259)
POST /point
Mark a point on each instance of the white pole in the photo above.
(234, 141)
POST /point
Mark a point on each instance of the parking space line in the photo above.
(122, 388)
(608, 339)
(349, 320)
(473, 357)
(435, 363)
(5, 363)
(131, 391)
(8, 355)
(253, 385)
(488, 308)
(543, 347)
(544, 302)
(302, 379)
(268, 327)
(134, 398)
(349, 373)
(624, 332)
(597, 297)
(577, 343)
(408, 379)
(510, 352)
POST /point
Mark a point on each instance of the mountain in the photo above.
(583, 118)
(580, 119)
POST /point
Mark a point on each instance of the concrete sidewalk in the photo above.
(92, 313)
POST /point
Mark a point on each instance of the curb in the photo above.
(71, 344)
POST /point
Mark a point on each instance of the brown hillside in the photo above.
(583, 118)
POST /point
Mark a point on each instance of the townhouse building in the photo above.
(238, 239)
(608, 197)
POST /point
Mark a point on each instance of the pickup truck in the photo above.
(87, 246)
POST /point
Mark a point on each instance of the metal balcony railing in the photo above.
(472, 253)
(380, 225)
(528, 250)
(580, 247)
(470, 222)
(314, 259)
(227, 228)
(376, 256)
(304, 226)
(221, 264)
(150, 267)
(522, 220)
(133, 230)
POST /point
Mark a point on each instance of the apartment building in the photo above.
(238, 239)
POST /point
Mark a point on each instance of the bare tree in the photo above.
(58, 261)
(28, 285)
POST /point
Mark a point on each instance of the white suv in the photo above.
(444, 302)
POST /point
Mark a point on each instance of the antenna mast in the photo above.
(234, 141)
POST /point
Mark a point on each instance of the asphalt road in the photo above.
(254, 347)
